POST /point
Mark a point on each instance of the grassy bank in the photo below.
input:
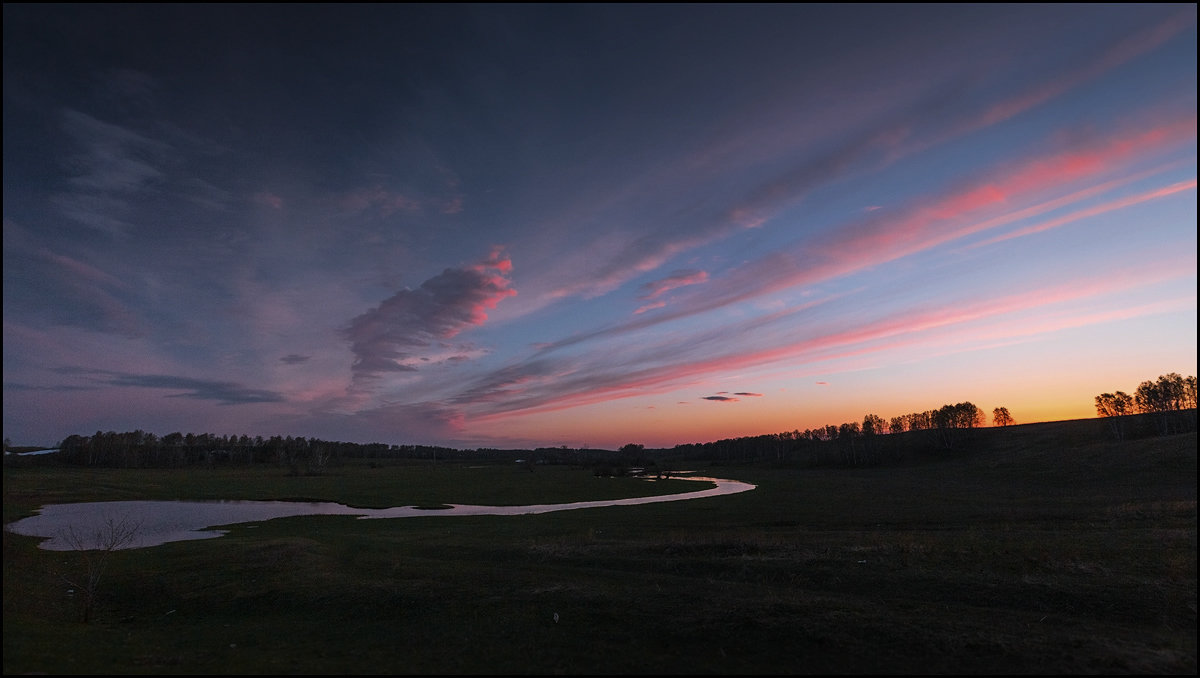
(1040, 549)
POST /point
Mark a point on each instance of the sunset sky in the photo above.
(589, 225)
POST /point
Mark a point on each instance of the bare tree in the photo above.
(95, 549)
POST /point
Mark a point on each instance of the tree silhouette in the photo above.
(1164, 399)
(1001, 417)
(1115, 406)
(951, 420)
(873, 424)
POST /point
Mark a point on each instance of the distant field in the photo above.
(1040, 548)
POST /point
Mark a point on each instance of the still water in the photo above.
(150, 523)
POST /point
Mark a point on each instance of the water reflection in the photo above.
(158, 522)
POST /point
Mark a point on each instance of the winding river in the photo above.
(139, 524)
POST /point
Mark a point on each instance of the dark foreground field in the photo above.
(1041, 549)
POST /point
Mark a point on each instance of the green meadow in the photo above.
(1040, 548)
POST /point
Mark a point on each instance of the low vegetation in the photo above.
(1026, 549)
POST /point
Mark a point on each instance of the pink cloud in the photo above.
(962, 211)
(879, 146)
(556, 385)
(657, 288)
(1110, 206)
(496, 260)
(1002, 333)
(971, 208)
(649, 307)
(1003, 195)
(894, 140)
(406, 325)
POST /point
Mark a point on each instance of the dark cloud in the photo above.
(14, 386)
(721, 396)
(294, 359)
(111, 168)
(224, 392)
(387, 337)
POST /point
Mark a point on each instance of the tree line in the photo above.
(872, 441)
(1166, 400)
(297, 454)
(850, 444)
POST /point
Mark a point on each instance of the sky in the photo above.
(517, 226)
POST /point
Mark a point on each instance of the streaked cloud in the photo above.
(1188, 185)
(412, 322)
(995, 198)
(313, 251)
(726, 397)
(223, 392)
(113, 165)
(681, 278)
(546, 384)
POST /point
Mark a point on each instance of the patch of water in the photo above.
(144, 523)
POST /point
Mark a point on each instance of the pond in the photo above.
(139, 524)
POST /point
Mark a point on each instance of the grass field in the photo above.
(1040, 549)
